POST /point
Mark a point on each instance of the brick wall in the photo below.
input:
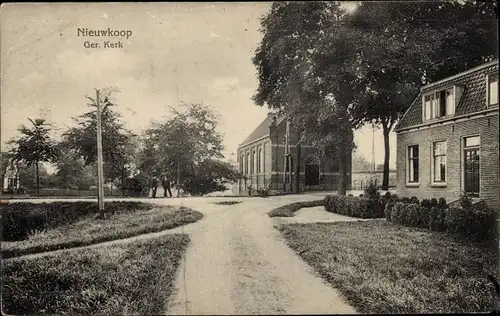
(485, 126)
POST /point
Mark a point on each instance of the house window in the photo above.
(439, 162)
(261, 160)
(247, 166)
(242, 163)
(439, 104)
(254, 162)
(289, 164)
(492, 94)
(413, 164)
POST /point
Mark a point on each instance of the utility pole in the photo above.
(100, 174)
(287, 159)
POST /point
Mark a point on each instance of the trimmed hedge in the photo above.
(290, 209)
(360, 207)
(475, 222)
(19, 220)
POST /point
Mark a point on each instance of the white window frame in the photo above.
(488, 78)
(439, 183)
(435, 103)
(407, 158)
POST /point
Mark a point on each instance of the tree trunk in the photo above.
(37, 180)
(178, 179)
(385, 181)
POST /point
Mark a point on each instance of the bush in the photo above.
(442, 203)
(263, 192)
(371, 191)
(465, 201)
(355, 206)
(19, 220)
(414, 200)
(290, 209)
(475, 222)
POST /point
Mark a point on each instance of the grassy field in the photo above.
(290, 209)
(90, 230)
(130, 279)
(384, 268)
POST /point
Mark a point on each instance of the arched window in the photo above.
(254, 162)
(247, 166)
(312, 170)
(289, 164)
(261, 161)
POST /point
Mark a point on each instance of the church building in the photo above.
(267, 158)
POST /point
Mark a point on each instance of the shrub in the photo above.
(434, 202)
(437, 219)
(426, 203)
(442, 203)
(355, 206)
(465, 201)
(414, 200)
(405, 199)
(388, 209)
(371, 191)
(290, 209)
(263, 192)
(473, 222)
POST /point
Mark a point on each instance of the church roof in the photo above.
(262, 129)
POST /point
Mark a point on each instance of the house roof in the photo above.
(263, 129)
(473, 98)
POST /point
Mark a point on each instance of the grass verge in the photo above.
(385, 268)
(130, 279)
(290, 209)
(91, 230)
(227, 202)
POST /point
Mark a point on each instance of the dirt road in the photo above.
(237, 263)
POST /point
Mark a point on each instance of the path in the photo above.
(237, 263)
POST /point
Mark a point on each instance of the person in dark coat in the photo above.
(154, 185)
(165, 183)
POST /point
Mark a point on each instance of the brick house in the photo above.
(261, 159)
(447, 141)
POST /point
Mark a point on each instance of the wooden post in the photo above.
(100, 174)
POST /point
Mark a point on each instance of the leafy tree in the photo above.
(330, 71)
(182, 145)
(295, 76)
(34, 146)
(115, 138)
(73, 173)
(399, 46)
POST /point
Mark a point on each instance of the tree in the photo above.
(180, 145)
(399, 46)
(115, 138)
(298, 77)
(370, 63)
(34, 146)
(73, 173)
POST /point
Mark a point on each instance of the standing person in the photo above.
(166, 186)
(154, 185)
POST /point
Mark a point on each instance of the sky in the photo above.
(178, 52)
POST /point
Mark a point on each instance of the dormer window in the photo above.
(440, 103)
(492, 89)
